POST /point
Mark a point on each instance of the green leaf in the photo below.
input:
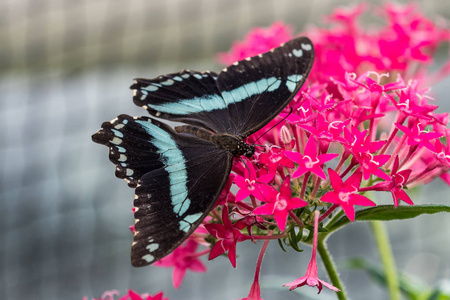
(281, 245)
(389, 213)
(293, 241)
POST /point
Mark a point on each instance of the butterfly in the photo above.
(178, 173)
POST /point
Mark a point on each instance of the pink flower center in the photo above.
(399, 180)
(332, 125)
(368, 160)
(275, 157)
(303, 110)
(406, 105)
(309, 164)
(280, 204)
(250, 184)
(344, 196)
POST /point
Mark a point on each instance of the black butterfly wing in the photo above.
(178, 178)
(188, 96)
(257, 89)
(240, 100)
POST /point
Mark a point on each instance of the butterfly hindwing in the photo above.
(129, 148)
(239, 100)
(178, 178)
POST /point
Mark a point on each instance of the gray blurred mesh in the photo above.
(65, 67)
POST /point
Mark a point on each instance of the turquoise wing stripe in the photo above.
(214, 102)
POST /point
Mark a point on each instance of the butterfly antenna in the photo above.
(290, 111)
(243, 162)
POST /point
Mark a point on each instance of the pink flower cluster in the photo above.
(363, 121)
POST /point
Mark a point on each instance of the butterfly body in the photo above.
(232, 143)
(180, 172)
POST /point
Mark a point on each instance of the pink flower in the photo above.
(279, 203)
(249, 185)
(311, 277)
(346, 194)
(417, 136)
(371, 164)
(442, 153)
(310, 161)
(227, 237)
(395, 185)
(273, 158)
(248, 220)
(182, 259)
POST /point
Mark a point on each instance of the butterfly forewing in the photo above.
(239, 100)
(188, 96)
(258, 88)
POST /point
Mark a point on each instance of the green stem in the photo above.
(384, 248)
(331, 268)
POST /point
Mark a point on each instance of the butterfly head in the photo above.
(250, 151)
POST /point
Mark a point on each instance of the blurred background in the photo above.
(65, 67)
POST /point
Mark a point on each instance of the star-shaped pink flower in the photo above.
(249, 184)
(396, 184)
(279, 203)
(182, 259)
(346, 194)
(227, 237)
(310, 161)
(418, 136)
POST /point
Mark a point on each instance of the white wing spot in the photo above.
(298, 52)
(307, 47)
(129, 172)
(148, 258)
(152, 88)
(116, 141)
(167, 82)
